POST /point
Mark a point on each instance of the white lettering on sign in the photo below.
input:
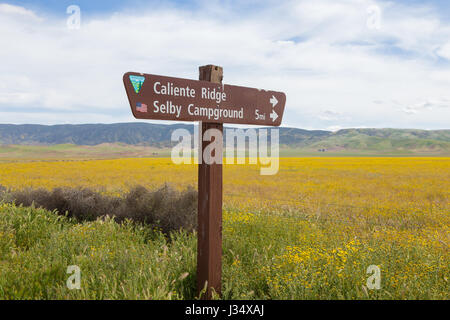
(215, 113)
(260, 116)
(214, 95)
(168, 108)
(171, 90)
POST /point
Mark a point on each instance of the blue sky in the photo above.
(104, 6)
(92, 7)
(99, 7)
(59, 6)
(349, 63)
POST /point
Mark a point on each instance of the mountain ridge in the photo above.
(159, 135)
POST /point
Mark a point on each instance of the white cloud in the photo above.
(430, 104)
(321, 53)
(330, 115)
(334, 128)
(16, 11)
(444, 51)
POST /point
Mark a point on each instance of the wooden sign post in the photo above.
(209, 243)
(213, 104)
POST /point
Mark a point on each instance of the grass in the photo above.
(70, 151)
(64, 152)
(309, 232)
(117, 261)
(264, 257)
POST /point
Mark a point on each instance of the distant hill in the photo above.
(158, 135)
(386, 140)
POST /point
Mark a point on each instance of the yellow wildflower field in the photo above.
(310, 231)
(413, 184)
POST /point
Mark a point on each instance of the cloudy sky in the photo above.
(347, 63)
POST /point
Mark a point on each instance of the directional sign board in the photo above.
(209, 101)
(166, 98)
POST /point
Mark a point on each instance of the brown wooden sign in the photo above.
(166, 98)
(208, 101)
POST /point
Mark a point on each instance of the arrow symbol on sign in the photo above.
(273, 101)
(273, 116)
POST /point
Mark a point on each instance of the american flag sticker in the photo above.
(141, 107)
